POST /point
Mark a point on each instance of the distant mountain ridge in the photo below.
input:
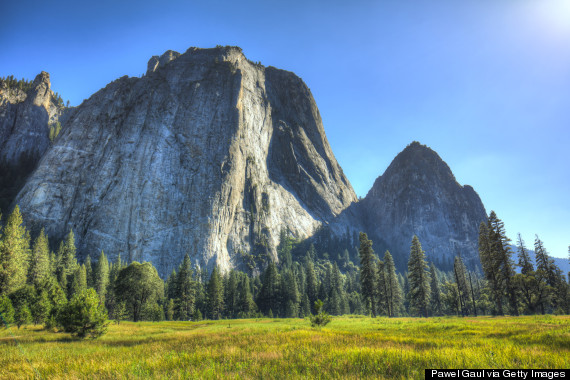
(213, 155)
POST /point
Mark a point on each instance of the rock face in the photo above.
(418, 194)
(207, 154)
(24, 118)
(25, 115)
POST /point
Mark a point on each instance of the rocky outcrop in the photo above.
(207, 154)
(26, 111)
(419, 195)
(24, 118)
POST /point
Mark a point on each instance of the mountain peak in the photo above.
(419, 195)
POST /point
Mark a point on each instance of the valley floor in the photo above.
(349, 347)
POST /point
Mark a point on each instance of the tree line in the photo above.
(45, 287)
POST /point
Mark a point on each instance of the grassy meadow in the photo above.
(349, 347)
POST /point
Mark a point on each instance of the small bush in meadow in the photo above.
(83, 316)
(322, 318)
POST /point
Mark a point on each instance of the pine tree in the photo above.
(418, 276)
(67, 262)
(23, 315)
(462, 287)
(231, 294)
(170, 310)
(526, 280)
(269, 298)
(490, 266)
(39, 261)
(79, 282)
(101, 277)
(393, 290)
(312, 285)
(501, 251)
(381, 290)
(436, 304)
(246, 305)
(524, 258)
(6, 310)
(290, 295)
(185, 290)
(14, 253)
(368, 275)
(215, 295)
(284, 249)
(41, 307)
(89, 272)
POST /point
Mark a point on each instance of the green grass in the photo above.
(349, 347)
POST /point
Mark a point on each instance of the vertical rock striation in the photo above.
(207, 154)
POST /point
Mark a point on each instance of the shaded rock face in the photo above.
(24, 119)
(418, 194)
(207, 154)
(24, 132)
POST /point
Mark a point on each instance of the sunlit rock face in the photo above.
(207, 154)
(418, 195)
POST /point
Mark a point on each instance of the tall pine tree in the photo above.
(418, 276)
(368, 276)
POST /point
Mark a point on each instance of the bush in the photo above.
(83, 316)
(23, 315)
(322, 318)
(6, 311)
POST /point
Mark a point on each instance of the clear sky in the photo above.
(484, 83)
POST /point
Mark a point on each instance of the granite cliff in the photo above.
(26, 111)
(207, 154)
(419, 195)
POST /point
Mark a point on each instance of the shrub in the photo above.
(6, 310)
(322, 318)
(83, 315)
(23, 315)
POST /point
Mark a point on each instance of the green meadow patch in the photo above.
(348, 347)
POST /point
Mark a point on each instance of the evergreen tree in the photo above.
(215, 294)
(501, 251)
(23, 315)
(101, 277)
(246, 305)
(170, 310)
(368, 279)
(381, 290)
(436, 304)
(14, 253)
(284, 249)
(270, 294)
(79, 282)
(83, 315)
(312, 285)
(418, 277)
(526, 280)
(66, 262)
(186, 292)
(290, 295)
(231, 294)
(6, 310)
(39, 268)
(462, 287)
(491, 267)
(524, 258)
(41, 308)
(393, 290)
(89, 272)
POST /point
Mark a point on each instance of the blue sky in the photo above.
(484, 83)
